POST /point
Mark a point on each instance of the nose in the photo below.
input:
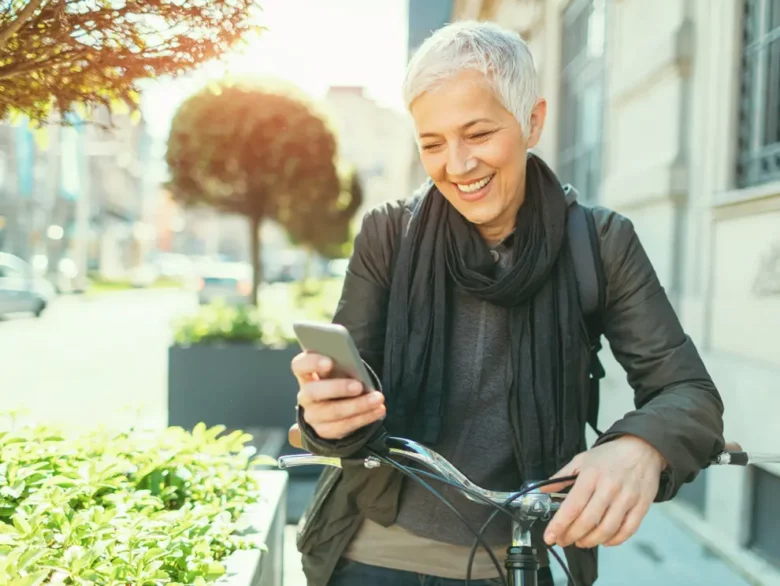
(459, 161)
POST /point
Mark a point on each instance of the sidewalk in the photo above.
(660, 553)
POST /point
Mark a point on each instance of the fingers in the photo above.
(574, 505)
(630, 523)
(558, 486)
(616, 484)
(334, 408)
(616, 512)
(317, 412)
(329, 389)
(732, 447)
(592, 515)
(308, 366)
(569, 470)
(342, 428)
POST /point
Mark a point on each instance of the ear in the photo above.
(536, 123)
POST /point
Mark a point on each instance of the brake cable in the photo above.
(416, 474)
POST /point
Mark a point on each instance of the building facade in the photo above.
(75, 193)
(423, 17)
(668, 111)
(372, 138)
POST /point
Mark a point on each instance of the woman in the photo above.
(463, 301)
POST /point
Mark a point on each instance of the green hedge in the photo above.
(270, 324)
(121, 508)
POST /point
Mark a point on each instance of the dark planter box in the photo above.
(241, 386)
(238, 385)
(264, 523)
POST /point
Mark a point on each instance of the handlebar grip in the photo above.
(294, 436)
(731, 459)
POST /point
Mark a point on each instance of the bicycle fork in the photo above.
(521, 563)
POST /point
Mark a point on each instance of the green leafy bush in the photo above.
(221, 323)
(121, 508)
(269, 325)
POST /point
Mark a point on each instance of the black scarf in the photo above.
(439, 250)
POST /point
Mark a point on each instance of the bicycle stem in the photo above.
(521, 535)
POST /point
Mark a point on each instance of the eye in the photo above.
(479, 135)
(428, 147)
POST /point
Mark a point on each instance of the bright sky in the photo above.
(314, 44)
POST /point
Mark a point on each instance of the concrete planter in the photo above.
(264, 523)
(236, 385)
(241, 386)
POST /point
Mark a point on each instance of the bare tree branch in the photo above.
(13, 27)
(12, 70)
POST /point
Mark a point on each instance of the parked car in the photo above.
(144, 275)
(173, 266)
(63, 275)
(228, 281)
(21, 290)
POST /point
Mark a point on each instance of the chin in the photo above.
(479, 213)
(487, 220)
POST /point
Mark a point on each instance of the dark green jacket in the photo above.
(678, 409)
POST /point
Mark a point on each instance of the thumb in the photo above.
(571, 469)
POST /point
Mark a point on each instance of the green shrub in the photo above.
(121, 508)
(270, 324)
(221, 323)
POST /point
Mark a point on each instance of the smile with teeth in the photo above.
(476, 186)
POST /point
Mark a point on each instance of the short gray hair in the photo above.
(500, 54)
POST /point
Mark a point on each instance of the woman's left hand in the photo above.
(615, 486)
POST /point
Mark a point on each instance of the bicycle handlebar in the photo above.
(527, 505)
(534, 504)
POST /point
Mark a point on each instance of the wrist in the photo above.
(659, 458)
(651, 450)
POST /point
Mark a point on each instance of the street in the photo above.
(96, 360)
(92, 360)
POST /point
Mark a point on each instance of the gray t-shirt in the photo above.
(476, 434)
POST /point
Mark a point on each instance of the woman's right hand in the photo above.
(333, 407)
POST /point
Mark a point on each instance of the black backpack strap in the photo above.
(591, 285)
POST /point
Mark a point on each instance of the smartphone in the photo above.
(335, 342)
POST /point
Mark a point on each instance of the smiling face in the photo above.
(474, 150)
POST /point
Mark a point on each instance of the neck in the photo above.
(492, 235)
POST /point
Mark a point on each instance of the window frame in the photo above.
(758, 161)
(583, 77)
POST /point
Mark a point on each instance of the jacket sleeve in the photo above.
(362, 309)
(678, 409)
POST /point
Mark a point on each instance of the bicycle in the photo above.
(525, 506)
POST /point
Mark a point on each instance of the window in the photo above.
(582, 95)
(759, 100)
(694, 494)
(765, 529)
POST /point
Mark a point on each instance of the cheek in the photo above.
(501, 156)
(435, 165)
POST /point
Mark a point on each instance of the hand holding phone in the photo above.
(336, 392)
